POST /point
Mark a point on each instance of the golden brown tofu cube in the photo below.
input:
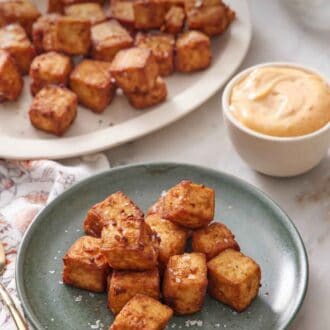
(84, 265)
(49, 69)
(108, 38)
(156, 95)
(193, 52)
(11, 82)
(65, 34)
(162, 47)
(93, 84)
(174, 20)
(89, 11)
(172, 238)
(123, 12)
(115, 207)
(213, 240)
(234, 279)
(142, 313)
(18, 11)
(129, 244)
(74, 35)
(189, 204)
(124, 285)
(53, 109)
(13, 39)
(210, 20)
(185, 282)
(44, 33)
(135, 70)
(149, 14)
(58, 6)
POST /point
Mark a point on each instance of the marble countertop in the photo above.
(200, 138)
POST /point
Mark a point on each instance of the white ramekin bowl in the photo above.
(275, 156)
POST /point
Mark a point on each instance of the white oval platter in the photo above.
(121, 123)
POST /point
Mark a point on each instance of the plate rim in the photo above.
(284, 219)
(162, 115)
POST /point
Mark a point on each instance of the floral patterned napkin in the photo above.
(25, 188)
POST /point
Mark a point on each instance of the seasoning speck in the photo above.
(96, 325)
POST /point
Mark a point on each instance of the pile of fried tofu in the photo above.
(143, 264)
(126, 44)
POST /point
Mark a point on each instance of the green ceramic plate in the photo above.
(262, 229)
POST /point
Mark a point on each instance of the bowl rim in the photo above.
(228, 115)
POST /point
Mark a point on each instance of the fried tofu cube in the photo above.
(149, 14)
(124, 285)
(58, 6)
(135, 70)
(84, 265)
(154, 96)
(18, 11)
(65, 34)
(210, 20)
(13, 39)
(172, 238)
(11, 82)
(93, 84)
(162, 47)
(185, 283)
(123, 12)
(49, 69)
(115, 207)
(142, 313)
(129, 244)
(74, 35)
(174, 20)
(193, 52)
(213, 240)
(189, 205)
(44, 33)
(234, 279)
(53, 109)
(108, 38)
(210, 17)
(89, 11)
